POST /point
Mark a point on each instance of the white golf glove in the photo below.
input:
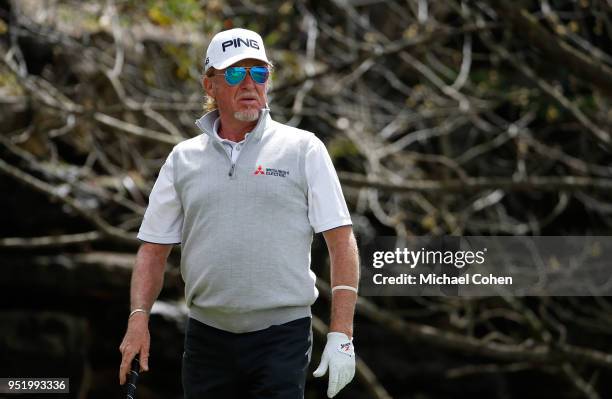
(339, 357)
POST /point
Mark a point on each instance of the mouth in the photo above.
(248, 98)
(249, 102)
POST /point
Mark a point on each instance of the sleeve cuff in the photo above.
(332, 224)
(155, 239)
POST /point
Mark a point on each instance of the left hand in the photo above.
(339, 357)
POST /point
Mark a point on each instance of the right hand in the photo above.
(136, 341)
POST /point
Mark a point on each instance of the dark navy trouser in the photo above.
(270, 363)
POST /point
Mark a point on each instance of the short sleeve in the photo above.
(163, 219)
(326, 205)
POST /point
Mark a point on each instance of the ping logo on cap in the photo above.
(237, 43)
(231, 46)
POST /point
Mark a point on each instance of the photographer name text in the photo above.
(441, 279)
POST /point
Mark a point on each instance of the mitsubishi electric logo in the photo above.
(259, 171)
(271, 172)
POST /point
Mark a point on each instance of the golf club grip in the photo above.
(133, 378)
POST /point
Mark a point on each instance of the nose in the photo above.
(248, 81)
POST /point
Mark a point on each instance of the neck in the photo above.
(232, 129)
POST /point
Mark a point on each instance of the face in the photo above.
(242, 101)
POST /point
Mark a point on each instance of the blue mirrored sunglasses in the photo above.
(235, 75)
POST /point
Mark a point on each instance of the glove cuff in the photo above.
(339, 335)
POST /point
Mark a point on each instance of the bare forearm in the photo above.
(148, 275)
(344, 271)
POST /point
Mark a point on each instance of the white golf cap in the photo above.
(231, 46)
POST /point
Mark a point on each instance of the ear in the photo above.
(208, 85)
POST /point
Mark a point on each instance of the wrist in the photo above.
(341, 333)
(138, 313)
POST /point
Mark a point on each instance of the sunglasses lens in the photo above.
(234, 75)
(260, 74)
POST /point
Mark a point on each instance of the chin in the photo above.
(248, 115)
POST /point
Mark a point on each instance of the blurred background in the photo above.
(442, 118)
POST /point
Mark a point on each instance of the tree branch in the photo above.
(527, 26)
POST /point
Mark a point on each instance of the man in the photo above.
(243, 199)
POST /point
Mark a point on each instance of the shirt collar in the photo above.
(207, 123)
